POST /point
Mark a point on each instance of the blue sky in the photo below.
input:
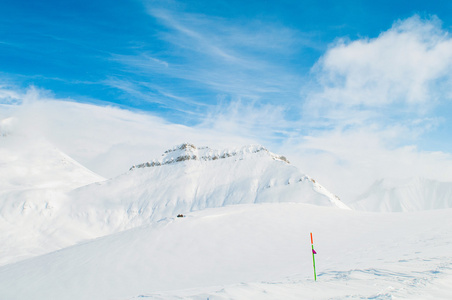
(320, 76)
(179, 58)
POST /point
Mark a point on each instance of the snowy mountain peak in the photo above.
(187, 178)
(187, 151)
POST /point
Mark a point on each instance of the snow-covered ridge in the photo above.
(207, 178)
(187, 151)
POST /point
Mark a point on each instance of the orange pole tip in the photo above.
(311, 239)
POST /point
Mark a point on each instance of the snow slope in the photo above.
(40, 212)
(187, 178)
(413, 194)
(258, 251)
(34, 180)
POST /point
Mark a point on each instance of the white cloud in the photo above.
(347, 163)
(373, 103)
(106, 139)
(256, 121)
(403, 65)
(8, 95)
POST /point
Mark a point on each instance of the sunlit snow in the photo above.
(247, 214)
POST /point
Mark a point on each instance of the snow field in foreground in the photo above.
(259, 251)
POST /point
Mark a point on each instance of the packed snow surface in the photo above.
(258, 251)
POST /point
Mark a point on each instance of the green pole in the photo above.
(313, 259)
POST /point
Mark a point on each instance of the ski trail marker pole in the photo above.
(313, 259)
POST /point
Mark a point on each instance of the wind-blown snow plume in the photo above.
(414, 194)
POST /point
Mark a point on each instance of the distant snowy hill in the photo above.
(413, 194)
(187, 178)
(39, 165)
(31, 162)
(34, 179)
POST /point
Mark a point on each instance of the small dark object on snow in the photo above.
(180, 216)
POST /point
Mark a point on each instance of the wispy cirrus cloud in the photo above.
(209, 56)
(228, 39)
